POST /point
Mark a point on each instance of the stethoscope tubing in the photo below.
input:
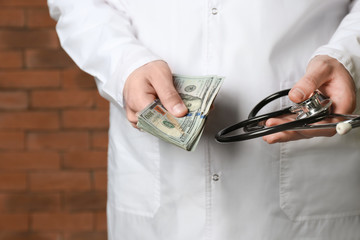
(355, 122)
(252, 129)
(254, 133)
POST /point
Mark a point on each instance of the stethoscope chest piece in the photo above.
(315, 105)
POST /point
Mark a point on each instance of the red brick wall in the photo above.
(53, 134)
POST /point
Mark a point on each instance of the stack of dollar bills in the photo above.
(198, 94)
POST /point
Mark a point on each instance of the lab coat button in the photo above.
(214, 11)
(215, 177)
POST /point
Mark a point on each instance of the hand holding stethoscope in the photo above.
(323, 73)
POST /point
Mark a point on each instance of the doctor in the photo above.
(306, 189)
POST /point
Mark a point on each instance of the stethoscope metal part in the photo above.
(316, 104)
(310, 111)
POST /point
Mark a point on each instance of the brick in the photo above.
(29, 236)
(13, 181)
(62, 98)
(25, 202)
(62, 221)
(85, 160)
(75, 79)
(29, 79)
(100, 221)
(60, 181)
(11, 140)
(28, 39)
(12, 17)
(100, 180)
(58, 140)
(39, 18)
(99, 140)
(86, 236)
(85, 119)
(22, 3)
(101, 103)
(29, 120)
(13, 100)
(91, 201)
(47, 58)
(29, 160)
(14, 222)
(11, 59)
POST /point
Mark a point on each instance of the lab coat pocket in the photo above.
(134, 180)
(320, 177)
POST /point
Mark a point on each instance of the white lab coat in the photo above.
(308, 189)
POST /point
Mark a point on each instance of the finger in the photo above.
(135, 105)
(169, 97)
(286, 136)
(316, 75)
(306, 133)
(172, 101)
(138, 94)
(131, 117)
(282, 137)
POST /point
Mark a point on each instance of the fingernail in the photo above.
(298, 94)
(179, 108)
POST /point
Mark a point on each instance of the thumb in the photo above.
(305, 87)
(172, 102)
(170, 98)
(302, 90)
(318, 72)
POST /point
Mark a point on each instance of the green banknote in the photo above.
(198, 94)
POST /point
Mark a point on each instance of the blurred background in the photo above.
(53, 134)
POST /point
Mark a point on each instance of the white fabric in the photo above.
(308, 189)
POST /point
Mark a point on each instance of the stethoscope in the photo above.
(312, 110)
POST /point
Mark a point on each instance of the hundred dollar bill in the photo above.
(198, 93)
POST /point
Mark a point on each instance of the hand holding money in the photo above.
(198, 94)
(145, 84)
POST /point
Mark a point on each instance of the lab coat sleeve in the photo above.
(345, 43)
(99, 37)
